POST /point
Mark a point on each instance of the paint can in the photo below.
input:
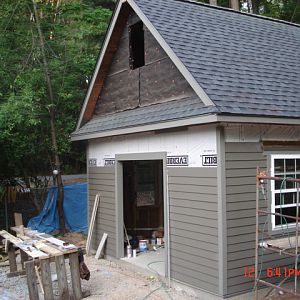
(129, 251)
(143, 245)
(153, 241)
(134, 253)
(159, 241)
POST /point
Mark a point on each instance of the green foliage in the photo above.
(288, 10)
(73, 33)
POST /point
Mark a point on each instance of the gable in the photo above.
(157, 81)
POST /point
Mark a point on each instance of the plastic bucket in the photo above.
(143, 245)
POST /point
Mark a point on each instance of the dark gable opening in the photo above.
(136, 45)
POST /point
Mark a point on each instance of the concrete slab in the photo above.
(151, 260)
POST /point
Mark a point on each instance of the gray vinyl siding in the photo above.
(242, 160)
(102, 180)
(194, 227)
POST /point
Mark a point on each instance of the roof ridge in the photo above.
(239, 12)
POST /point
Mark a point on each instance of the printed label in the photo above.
(209, 160)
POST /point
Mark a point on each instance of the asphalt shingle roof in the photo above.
(168, 111)
(246, 64)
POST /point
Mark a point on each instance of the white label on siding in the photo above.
(93, 161)
(209, 160)
(178, 160)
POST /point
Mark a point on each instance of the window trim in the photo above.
(273, 191)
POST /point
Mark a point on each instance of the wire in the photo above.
(163, 285)
(262, 254)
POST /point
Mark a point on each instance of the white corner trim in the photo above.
(99, 62)
(178, 63)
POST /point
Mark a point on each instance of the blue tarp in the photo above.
(75, 210)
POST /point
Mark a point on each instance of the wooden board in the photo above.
(284, 243)
(62, 277)
(47, 248)
(46, 279)
(101, 245)
(27, 248)
(92, 222)
(18, 219)
(46, 238)
(31, 280)
(75, 275)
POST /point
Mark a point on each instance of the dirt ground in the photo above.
(115, 280)
(109, 280)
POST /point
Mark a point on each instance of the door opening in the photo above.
(143, 211)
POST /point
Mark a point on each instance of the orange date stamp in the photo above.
(271, 272)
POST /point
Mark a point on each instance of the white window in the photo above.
(284, 193)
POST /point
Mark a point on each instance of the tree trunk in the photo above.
(255, 6)
(213, 2)
(57, 163)
(235, 4)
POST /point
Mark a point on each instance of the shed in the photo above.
(185, 102)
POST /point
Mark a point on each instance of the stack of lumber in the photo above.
(36, 244)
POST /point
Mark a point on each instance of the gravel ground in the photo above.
(109, 280)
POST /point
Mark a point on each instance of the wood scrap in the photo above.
(41, 245)
(92, 222)
(284, 243)
(18, 219)
(26, 246)
(37, 271)
(55, 243)
(101, 245)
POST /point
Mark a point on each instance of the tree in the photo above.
(62, 49)
(287, 10)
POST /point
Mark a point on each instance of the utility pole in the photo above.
(51, 109)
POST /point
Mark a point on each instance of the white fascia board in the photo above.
(99, 62)
(158, 126)
(178, 63)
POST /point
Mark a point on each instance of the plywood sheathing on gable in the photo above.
(106, 62)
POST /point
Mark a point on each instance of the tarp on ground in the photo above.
(75, 210)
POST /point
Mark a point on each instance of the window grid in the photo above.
(284, 194)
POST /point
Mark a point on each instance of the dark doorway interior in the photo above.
(143, 198)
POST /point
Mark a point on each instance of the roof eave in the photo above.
(200, 120)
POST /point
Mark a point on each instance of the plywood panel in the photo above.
(153, 51)
(120, 92)
(161, 81)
